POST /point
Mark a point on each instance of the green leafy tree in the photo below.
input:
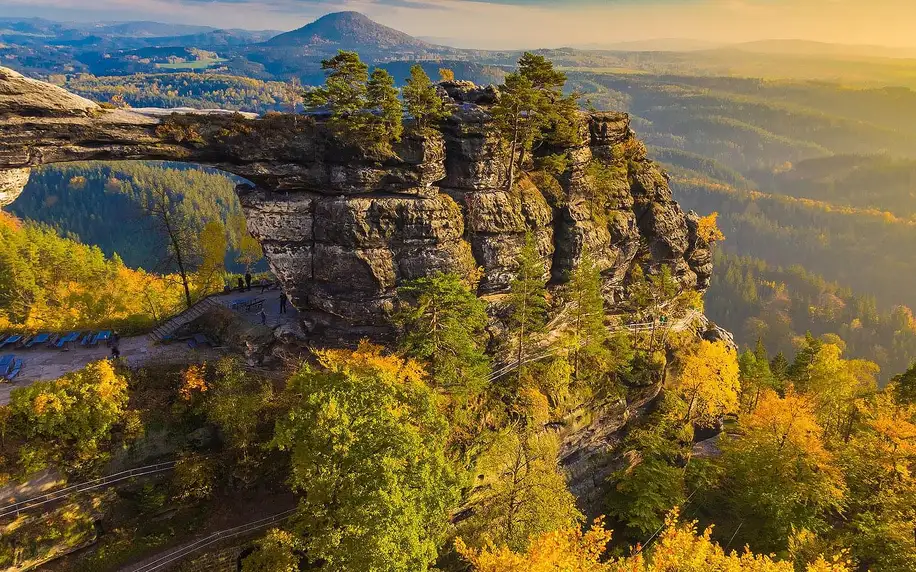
(755, 376)
(443, 324)
(643, 492)
(421, 101)
(833, 383)
(366, 440)
(236, 403)
(778, 476)
(527, 300)
(879, 463)
(276, 552)
(69, 418)
(527, 494)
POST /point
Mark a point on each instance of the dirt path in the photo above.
(41, 364)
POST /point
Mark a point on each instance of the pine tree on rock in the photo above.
(531, 100)
(344, 95)
(421, 101)
(385, 115)
(527, 300)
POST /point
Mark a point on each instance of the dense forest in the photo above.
(51, 283)
(194, 90)
(778, 305)
(91, 202)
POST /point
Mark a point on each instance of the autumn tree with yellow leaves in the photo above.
(708, 382)
(68, 419)
(679, 547)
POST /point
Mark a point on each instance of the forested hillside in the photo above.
(812, 175)
(56, 284)
(778, 305)
(95, 203)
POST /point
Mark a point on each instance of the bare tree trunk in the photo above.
(161, 211)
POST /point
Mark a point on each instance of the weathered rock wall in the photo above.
(341, 229)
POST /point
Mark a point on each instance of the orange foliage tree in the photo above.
(52, 283)
(678, 548)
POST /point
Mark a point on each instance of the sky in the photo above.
(498, 24)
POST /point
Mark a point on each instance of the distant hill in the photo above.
(140, 29)
(655, 45)
(347, 31)
(809, 48)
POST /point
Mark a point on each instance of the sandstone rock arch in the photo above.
(341, 229)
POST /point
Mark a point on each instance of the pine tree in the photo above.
(421, 101)
(779, 366)
(531, 104)
(587, 331)
(800, 370)
(527, 300)
(385, 115)
(344, 95)
(904, 387)
(443, 324)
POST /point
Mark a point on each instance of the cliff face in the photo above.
(342, 251)
(342, 230)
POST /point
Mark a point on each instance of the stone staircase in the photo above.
(167, 329)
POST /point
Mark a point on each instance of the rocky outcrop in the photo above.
(342, 229)
(12, 182)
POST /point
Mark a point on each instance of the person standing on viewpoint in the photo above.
(248, 280)
(283, 301)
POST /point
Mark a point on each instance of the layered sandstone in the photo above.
(342, 230)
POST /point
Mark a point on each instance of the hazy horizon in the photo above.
(537, 23)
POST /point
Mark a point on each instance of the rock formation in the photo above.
(341, 229)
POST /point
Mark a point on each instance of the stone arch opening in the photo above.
(112, 205)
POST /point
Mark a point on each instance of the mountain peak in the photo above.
(346, 30)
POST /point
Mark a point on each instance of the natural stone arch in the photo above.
(341, 229)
